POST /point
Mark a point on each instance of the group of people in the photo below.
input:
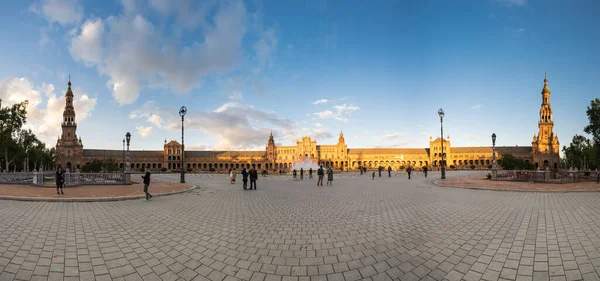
(252, 174)
(310, 173)
(409, 170)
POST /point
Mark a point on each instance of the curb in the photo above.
(93, 199)
(513, 190)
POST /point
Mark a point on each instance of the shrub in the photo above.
(401, 168)
(489, 176)
(472, 167)
(163, 169)
(452, 167)
(489, 166)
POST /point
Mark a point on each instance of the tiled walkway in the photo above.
(357, 229)
(480, 182)
(89, 192)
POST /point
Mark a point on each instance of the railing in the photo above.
(546, 176)
(17, 178)
(74, 179)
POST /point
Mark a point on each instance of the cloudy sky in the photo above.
(378, 70)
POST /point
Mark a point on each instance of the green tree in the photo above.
(593, 128)
(92, 167)
(509, 162)
(580, 151)
(12, 119)
(110, 165)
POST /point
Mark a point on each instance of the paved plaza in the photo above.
(357, 229)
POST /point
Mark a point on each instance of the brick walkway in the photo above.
(479, 182)
(357, 229)
(90, 192)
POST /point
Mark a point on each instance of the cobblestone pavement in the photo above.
(478, 181)
(382, 229)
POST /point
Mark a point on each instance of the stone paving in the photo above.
(357, 229)
(478, 181)
(89, 192)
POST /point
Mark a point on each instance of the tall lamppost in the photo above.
(182, 112)
(441, 114)
(128, 166)
(493, 155)
(123, 156)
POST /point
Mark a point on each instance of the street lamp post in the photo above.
(182, 112)
(494, 155)
(127, 167)
(441, 114)
(123, 156)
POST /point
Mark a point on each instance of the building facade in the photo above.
(543, 152)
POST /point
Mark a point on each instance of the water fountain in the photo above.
(305, 164)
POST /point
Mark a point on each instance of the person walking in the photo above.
(373, 175)
(245, 179)
(301, 173)
(60, 180)
(389, 171)
(409, 170)
(146, 178)
(320, 174)
(310, 173)
(380, 168)
(253, 178)
(294, 173)
(232, 176)
(425, 171)
(329, 176)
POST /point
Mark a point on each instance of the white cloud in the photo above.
(64, 12)
(477, 106)
(156, 120)
(236, 96)
(518, 30)
(392, 136)
(135, 51)
(87, 46)
(187, 13)
(318, 125)
(236, 126)
(44, 113)
(265, 47)
(321, 101)
(144, 131)
(510, 3)
(345, 109)
(325, 114)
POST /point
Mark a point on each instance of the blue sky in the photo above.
(378, 70)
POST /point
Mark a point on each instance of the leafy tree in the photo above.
(92, 167)
(579, 149)
(509, 162)
(12, 119)
(110, 165)
(593, 128)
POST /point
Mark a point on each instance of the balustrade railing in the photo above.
(17, 178)
(547, 176)
(71, 179)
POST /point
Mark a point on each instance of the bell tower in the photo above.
(69, 149)
(545, 145)
(271, 152)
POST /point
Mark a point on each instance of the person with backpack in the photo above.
(409, 170)
(320, 174)
(389, 171)
(245, 179)
(146, 184)
(60, 180)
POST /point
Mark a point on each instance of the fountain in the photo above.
(305, 164)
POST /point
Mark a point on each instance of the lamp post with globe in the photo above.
(494, 155)
(441, 114)
(182, 112)
(128, 159)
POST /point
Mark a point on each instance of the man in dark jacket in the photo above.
(253, 178)
(60, 180)
(409, 170)
(389, 171)
(310, 173)
(320, 174)
(146, 184)
(425, 170)
(245, 178)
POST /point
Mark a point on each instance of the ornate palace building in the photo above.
(543, 152)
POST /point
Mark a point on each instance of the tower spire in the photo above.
(69, 84)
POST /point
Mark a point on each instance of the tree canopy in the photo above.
(583, 152)
(510, 162)
(20, 149)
